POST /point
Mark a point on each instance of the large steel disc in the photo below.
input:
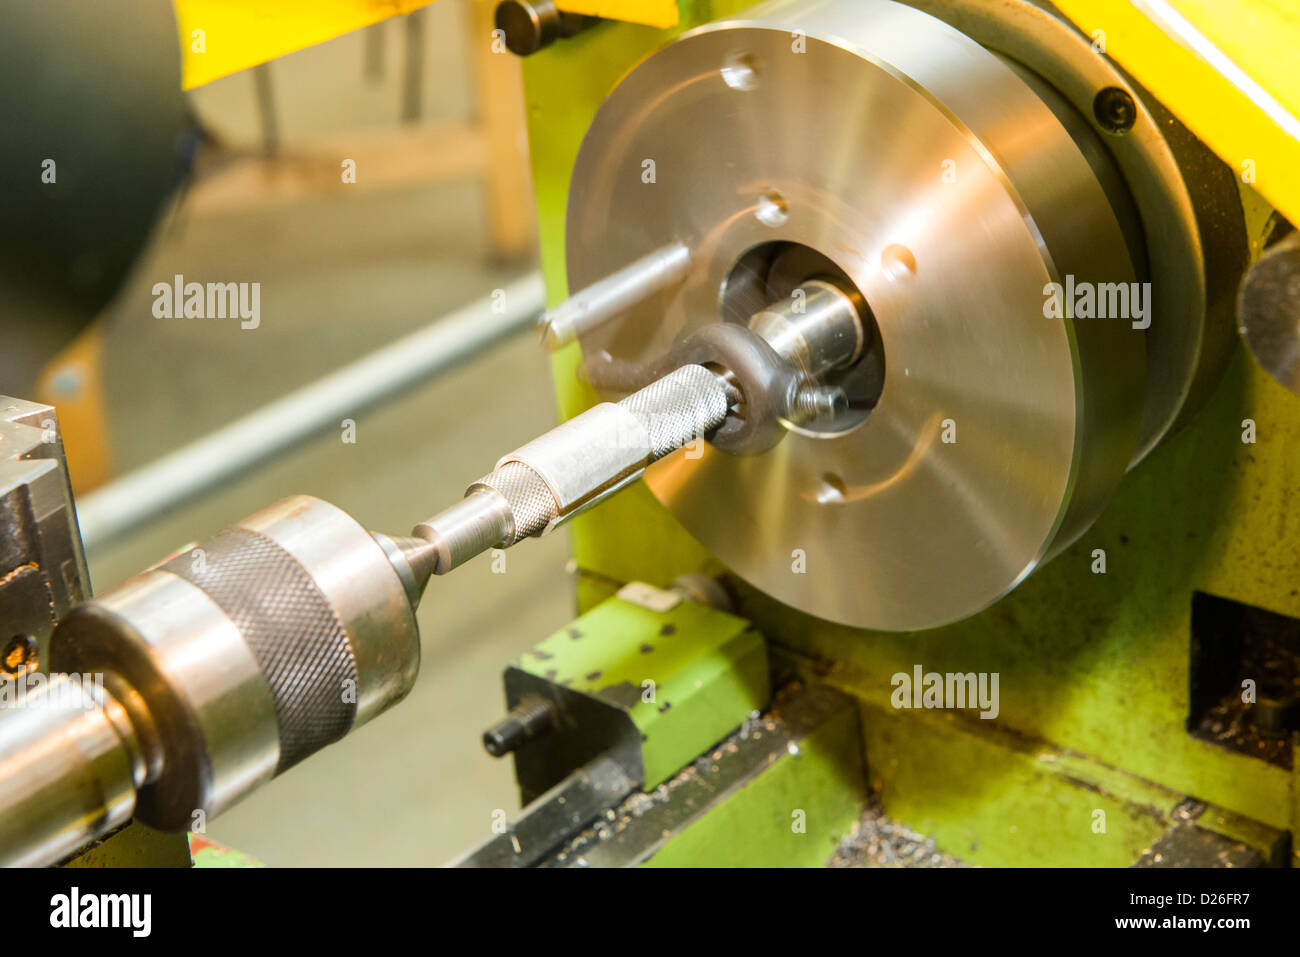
(923, 168)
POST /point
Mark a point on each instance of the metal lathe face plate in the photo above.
(802, 131)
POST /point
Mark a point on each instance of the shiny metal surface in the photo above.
(577, 465)
(481, 520)
(213, 672)
(42, 566)
(358, 581)
(1269, 311)
(999, 433)
(1186, 200)
(193, 690)
(596, 454)
(414, 560)
(606, 298)
(818, 334)
(768, 386)
(65, 772)
(604, 445)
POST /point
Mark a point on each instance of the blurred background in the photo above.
(440, 215)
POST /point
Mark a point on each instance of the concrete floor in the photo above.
(341, 276)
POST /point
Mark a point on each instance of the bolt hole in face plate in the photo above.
(914, 169)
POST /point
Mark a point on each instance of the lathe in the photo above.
(925, 505)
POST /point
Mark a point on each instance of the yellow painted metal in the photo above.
(654, 13)
(1227, 70)
(220, 37)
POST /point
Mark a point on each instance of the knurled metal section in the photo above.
(531, 502)
(294, 634)
(688, 403)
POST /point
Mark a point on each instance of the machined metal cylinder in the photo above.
(483, 519)
(611, 295)
(69, 764)
(819, 329)
(531, 25)
(239, 658)
(588, 458)
(578, 464)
